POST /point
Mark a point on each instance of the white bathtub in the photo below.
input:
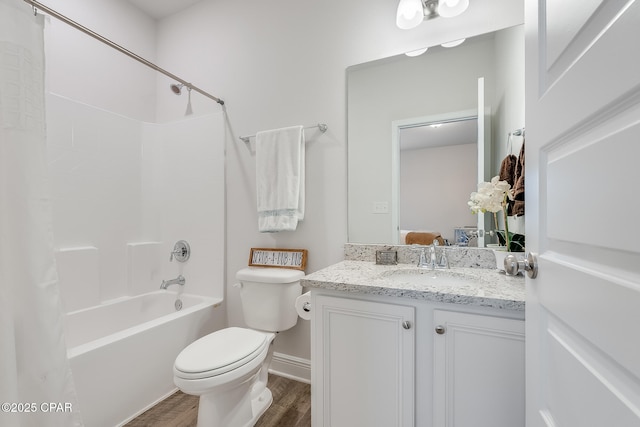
(122, 352)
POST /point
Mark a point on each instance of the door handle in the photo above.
(513, 265)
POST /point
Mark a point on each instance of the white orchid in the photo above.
(490, 196)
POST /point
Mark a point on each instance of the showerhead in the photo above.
(177, 88)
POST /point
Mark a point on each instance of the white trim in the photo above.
(294, 368)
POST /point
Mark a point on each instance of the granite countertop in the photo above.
(489, 288)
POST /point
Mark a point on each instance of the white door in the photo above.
(582, 206)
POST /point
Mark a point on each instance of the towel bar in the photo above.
(322, 126)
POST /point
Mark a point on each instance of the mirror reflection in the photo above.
(388, 196)
(428, 152)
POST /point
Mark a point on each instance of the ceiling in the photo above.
(159, 9)
(427, 136)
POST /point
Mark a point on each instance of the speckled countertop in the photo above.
(484, 287)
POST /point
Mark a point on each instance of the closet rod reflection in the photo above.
(39, 6)
(323, 128)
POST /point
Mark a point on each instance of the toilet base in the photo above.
(260, 404)
(245, 414)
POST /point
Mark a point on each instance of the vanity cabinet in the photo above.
(388, 361)
(479, 370)
(363, 363)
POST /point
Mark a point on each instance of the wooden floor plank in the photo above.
(291, 407)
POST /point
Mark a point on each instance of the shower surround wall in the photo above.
(123, 192)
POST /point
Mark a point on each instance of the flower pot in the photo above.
(500, 254)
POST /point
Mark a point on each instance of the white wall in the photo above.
(509, 111)
(183, 198)
(433, 182)
(84, 69)
(94, 162)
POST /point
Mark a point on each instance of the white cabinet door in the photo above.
(479, 371)
(362, 363)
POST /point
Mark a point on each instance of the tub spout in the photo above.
(177, 281)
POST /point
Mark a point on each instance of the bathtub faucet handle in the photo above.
(181, 251)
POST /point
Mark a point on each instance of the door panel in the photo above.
(582, 178)
(593, 396)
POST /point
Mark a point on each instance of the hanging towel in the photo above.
(507, 169)
(507, 173)
(518, 187)
(280, 180)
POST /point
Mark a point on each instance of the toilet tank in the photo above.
(268, 297)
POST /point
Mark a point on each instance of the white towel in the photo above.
(280, 182)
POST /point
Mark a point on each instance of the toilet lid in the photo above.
(221, 351)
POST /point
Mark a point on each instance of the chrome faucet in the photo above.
(432, 253)
(431, 261)
(180, 280)
(444, 262)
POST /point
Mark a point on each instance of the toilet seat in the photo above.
(220, 352)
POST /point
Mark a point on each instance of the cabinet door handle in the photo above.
(406, 324)
(440, 330)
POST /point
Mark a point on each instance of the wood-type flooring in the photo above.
(291, 407)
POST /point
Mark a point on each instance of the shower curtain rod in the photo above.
(37, 5)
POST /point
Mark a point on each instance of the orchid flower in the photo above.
(492, 197)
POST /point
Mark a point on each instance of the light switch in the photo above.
(380, 207)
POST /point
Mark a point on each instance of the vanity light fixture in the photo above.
(411, 13)
(451, 8)
(417, 52)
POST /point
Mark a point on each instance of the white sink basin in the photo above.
(430, 277)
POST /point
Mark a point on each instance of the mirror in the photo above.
(391, 94)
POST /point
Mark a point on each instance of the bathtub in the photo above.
(122, 352)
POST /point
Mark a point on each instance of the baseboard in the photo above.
(291, 367)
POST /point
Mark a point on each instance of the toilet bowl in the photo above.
(228, 368)
(224, 369)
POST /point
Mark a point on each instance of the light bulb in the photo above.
(451, 8)
(416, 52)
(453, 43)
(409, 14)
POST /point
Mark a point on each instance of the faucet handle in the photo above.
(181, 250)
(422, 259)
(444, 261)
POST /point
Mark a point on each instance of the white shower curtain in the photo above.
(36, 387)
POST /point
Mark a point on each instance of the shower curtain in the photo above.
(36, 387)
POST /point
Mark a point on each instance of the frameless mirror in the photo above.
(394, 189)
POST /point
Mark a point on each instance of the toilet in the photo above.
(228, 368)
